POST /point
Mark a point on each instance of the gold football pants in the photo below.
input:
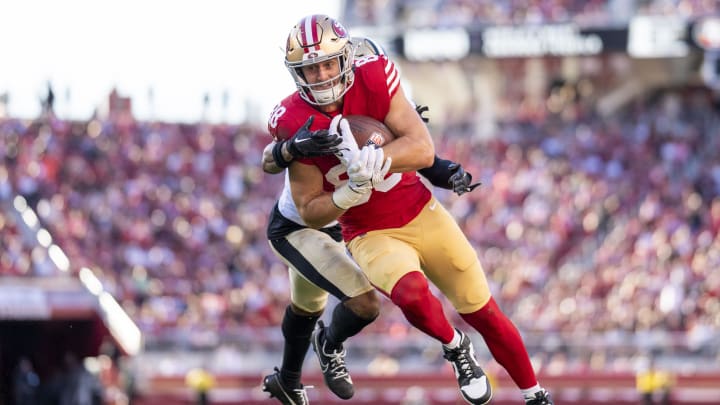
(432, 242)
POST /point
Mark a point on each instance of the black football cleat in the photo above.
(273, 385)
(474, 384)
(540, 398)
(332, 364)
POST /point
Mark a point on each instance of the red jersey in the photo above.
(401, 196)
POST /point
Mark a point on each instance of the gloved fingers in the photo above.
(372, 158)
(462, 188)
(325, 139)
(386, 167)
(473, 186)
(347, 134)
(333, 128)
(379, 157)
(456, 178)
(308, 122)
(421, 109)
(360, 161)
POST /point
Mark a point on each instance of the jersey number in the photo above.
(275, 115)
(365, 59)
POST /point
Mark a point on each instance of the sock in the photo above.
(422, 309)
(529, 393)
(455, 342)
(296, 330)
(345, 323)
(504, 342)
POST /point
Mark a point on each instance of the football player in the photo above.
(397, 232)
(319, 264)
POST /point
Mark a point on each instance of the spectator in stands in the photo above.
(25, 383)
(200, 381)
(48, 103)
(653, 383)
(79, 386)
(463, 13)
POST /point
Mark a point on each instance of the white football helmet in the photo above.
(365, 46)
(314, 39)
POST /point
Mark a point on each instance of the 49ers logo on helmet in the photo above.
(339, 29)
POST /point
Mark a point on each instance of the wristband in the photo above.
(278, 156)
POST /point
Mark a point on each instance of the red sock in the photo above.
(504, 342)
(422, 309)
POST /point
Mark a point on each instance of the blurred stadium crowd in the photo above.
(452, 13)
(596, 232)
(600, 233)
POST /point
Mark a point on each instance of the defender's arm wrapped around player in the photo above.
(443, 173)
(449, 175)
(303, 144)
(446, 173)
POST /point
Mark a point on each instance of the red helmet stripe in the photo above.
(309, 33)
(314, 33)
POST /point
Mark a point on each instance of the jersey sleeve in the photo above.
(290, 115)
(272, 125)
(392, 76)
(381, 75)
(377, 82)
(280, 124)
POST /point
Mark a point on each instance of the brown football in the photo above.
(368, 130)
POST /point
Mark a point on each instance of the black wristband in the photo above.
(278, 156)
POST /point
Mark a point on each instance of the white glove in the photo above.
(348, 148)
(370, 166)
(366, 170)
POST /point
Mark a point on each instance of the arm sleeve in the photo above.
(439, 173)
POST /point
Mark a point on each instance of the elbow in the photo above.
(271, 168)
(428, 160)
(427, 155)
(310, 220)
(313, 224)
(268, 161)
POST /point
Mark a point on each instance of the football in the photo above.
(368, 130)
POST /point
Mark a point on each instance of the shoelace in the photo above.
(464, 364)
(540, 398)
(303, 394)
(337, 363)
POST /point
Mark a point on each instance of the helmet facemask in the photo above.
(316, 39)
